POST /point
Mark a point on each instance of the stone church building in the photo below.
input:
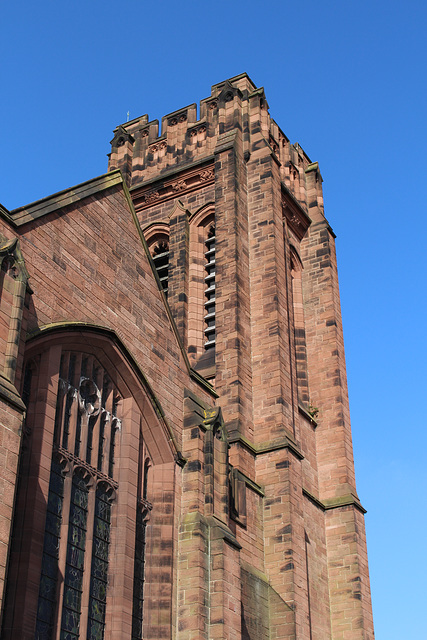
(175, 446)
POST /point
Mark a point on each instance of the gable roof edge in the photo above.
(64, 198)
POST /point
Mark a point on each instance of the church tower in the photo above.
(233, 216)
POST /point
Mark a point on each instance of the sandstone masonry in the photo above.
(175, 443)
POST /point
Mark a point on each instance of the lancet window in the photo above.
(160, 255)
(299, 325)
(142, 512)
(202, 299)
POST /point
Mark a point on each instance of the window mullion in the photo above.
(61, 398)
(74, 413)
(84, 421)
(96, 427)
(107, 432)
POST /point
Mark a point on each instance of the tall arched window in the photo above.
(202, 310)
(81, 489)
(299, 324)
(81, 519)
(157, 237)
(160, 255)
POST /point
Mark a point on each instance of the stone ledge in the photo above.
(251, 484)
(226, 141)
(9, 393)
(223, 531)
(267, 447)
(335, 503)
(307, 416)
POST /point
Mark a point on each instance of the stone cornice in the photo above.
(266, 447)
(5, 214)
(173, 184)
(9, 394)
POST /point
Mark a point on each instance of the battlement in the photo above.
(142, 150)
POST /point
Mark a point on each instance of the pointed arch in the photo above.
(157, 237)
(94, 428)
(202, 278)
(126, 373)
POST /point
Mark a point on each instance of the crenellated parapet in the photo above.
(144, 150)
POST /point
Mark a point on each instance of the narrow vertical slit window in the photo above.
(161, 262)
(209, 331)
(48, 581)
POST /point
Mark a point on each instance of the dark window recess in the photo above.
(210, 290)
(161, 262)
(49, 572)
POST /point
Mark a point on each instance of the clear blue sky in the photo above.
(345, 79)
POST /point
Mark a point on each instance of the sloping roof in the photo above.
(62, 199)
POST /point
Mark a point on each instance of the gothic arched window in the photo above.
(81, 489)
(160, 255)
(77, 566)
(299, 324)
(157, 237)
(202, 310)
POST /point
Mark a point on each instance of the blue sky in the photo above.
(347, 81)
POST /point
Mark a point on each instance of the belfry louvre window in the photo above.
(209, 318)
(161, 262)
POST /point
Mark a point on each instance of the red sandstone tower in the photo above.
(231, 492)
